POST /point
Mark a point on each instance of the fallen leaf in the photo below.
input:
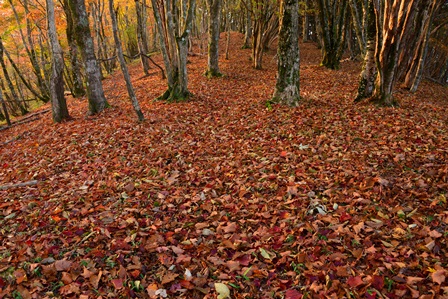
(354, 281)
(293, 294)
(439, 276)
(222, 290)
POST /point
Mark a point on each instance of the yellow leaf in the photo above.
(222, 290)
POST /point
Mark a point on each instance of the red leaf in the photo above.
(354, 281)
(378, 282)
(344, 217)
(118, 283)
(293, 294)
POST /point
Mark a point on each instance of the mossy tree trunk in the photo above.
(75, 64)
(332, 15)
(368, 74)
(214, 8)
(288, 76)
(394, 27)
(95, 92)
(174, 29)
(58, 103)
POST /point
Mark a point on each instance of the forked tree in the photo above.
(174, 20)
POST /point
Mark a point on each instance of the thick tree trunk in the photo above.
(288, 77)
(142, 36)
(58, 103)
(396, 17)
(368, 74)
(75, 68)
(214, 7)
(95, 93)
(123, 65)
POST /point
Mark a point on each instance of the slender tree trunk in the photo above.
(123, 65)
(214, 8)
(368, 74)
(58, 103)
(305, 24)
(248, 31)
(142, 36)
(5, 109)
(357, 17)
(287, 88)
(11, 87)
(95, 93)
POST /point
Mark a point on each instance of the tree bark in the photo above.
(123, 65)
(58, 103)
(287, 88)
(142, 36)
(332, 15)
(174, 29)
(368, 74)
(95, 93)
(75, 68)
(214, 7)
(394, 26)
(5, 109)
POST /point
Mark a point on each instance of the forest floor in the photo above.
(226, 193)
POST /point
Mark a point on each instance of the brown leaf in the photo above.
(354, 281)
(293, 294)
(62, 265)
(118, 283)
(69, 289)
(233, 265)
(169, 277)
(20, 276)
(413, 280)
(439, 276)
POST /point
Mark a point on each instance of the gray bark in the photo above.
(95, 93)
(142, 35)
(58, 103)
(5, 109)
(214, 7)
(123, 65)
(288, 77)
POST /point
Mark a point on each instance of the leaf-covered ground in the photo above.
(327, 200)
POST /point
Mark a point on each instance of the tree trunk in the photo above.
(123, 65)
(58, 103)
(368, 74)
(395, 21)
(142, 36)
(95, 93)
(332, 16)
(174, 29)
(248, 32)
(75, 68)
(214, 7)
(5, 110)
(288, 76)
(305, 24)
(12, 90)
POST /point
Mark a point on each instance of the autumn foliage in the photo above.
(228, 196)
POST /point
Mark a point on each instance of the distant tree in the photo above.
(288, 79)
(123, 65)
(142, 34)
(95, 93)
(58, 103)
(174, 22)
(5, 113)
(332, 16)
(214, 8)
